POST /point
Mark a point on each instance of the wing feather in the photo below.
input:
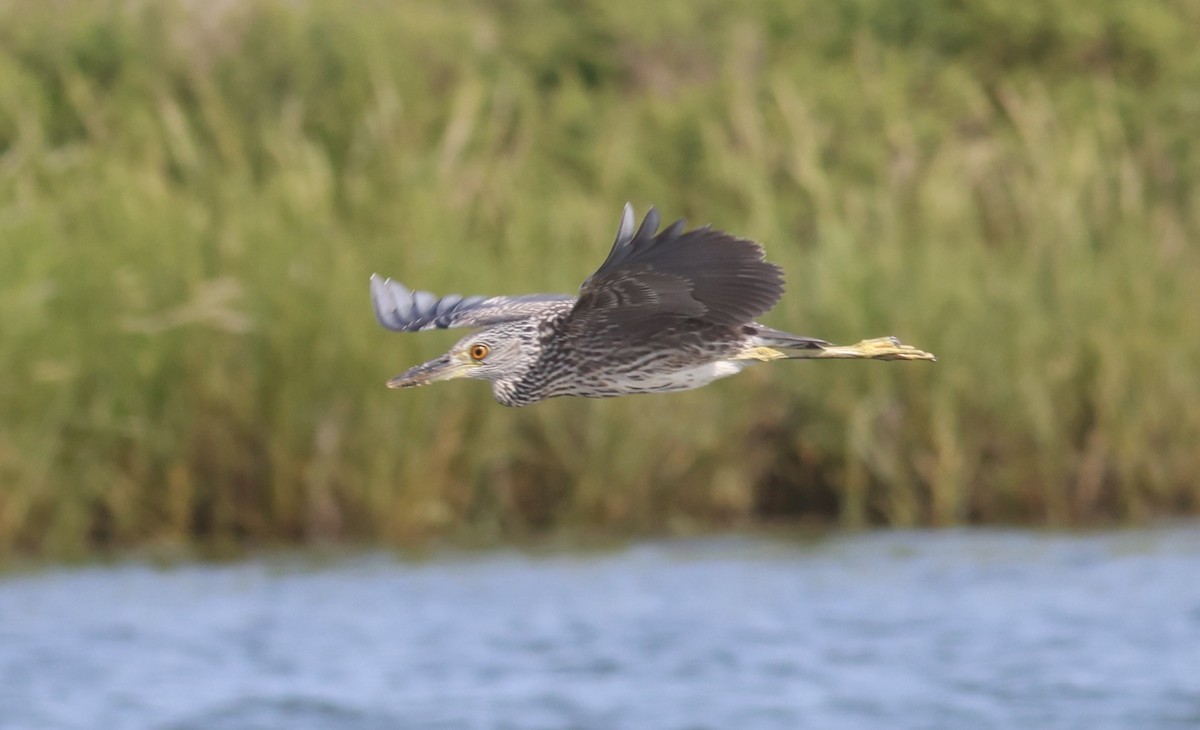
(399, 308)
(651, 276)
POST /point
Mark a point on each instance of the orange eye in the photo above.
(480, 351)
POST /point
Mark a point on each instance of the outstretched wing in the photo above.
(650, 277)
(399, 308)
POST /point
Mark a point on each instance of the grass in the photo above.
(192, 196)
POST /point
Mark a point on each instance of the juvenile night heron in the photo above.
(667, 310)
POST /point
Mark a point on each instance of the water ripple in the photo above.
(900, 629)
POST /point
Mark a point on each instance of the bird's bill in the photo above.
(442, 368)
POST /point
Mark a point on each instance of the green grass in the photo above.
(192, 196)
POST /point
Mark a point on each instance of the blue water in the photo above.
(958, 629)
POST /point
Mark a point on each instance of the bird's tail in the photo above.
(767, 337)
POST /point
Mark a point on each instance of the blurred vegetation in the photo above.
(193, 194)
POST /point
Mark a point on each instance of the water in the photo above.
(896, 630)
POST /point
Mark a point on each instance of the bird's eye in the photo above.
(479, 351)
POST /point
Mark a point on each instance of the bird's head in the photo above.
(501, 354)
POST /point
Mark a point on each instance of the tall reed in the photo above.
(192, 196)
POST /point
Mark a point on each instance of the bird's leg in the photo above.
(881, 348)
(764, 354)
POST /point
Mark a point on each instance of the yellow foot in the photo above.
(881, 348)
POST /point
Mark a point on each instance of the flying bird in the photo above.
(668, 310)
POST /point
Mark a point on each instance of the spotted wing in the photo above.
(652, 277)
(399, 308)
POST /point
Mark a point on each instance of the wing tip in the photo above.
(629, 231)
(626, 227)
(649, 224)
(392, 302)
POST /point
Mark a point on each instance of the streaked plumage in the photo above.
(667, 310)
